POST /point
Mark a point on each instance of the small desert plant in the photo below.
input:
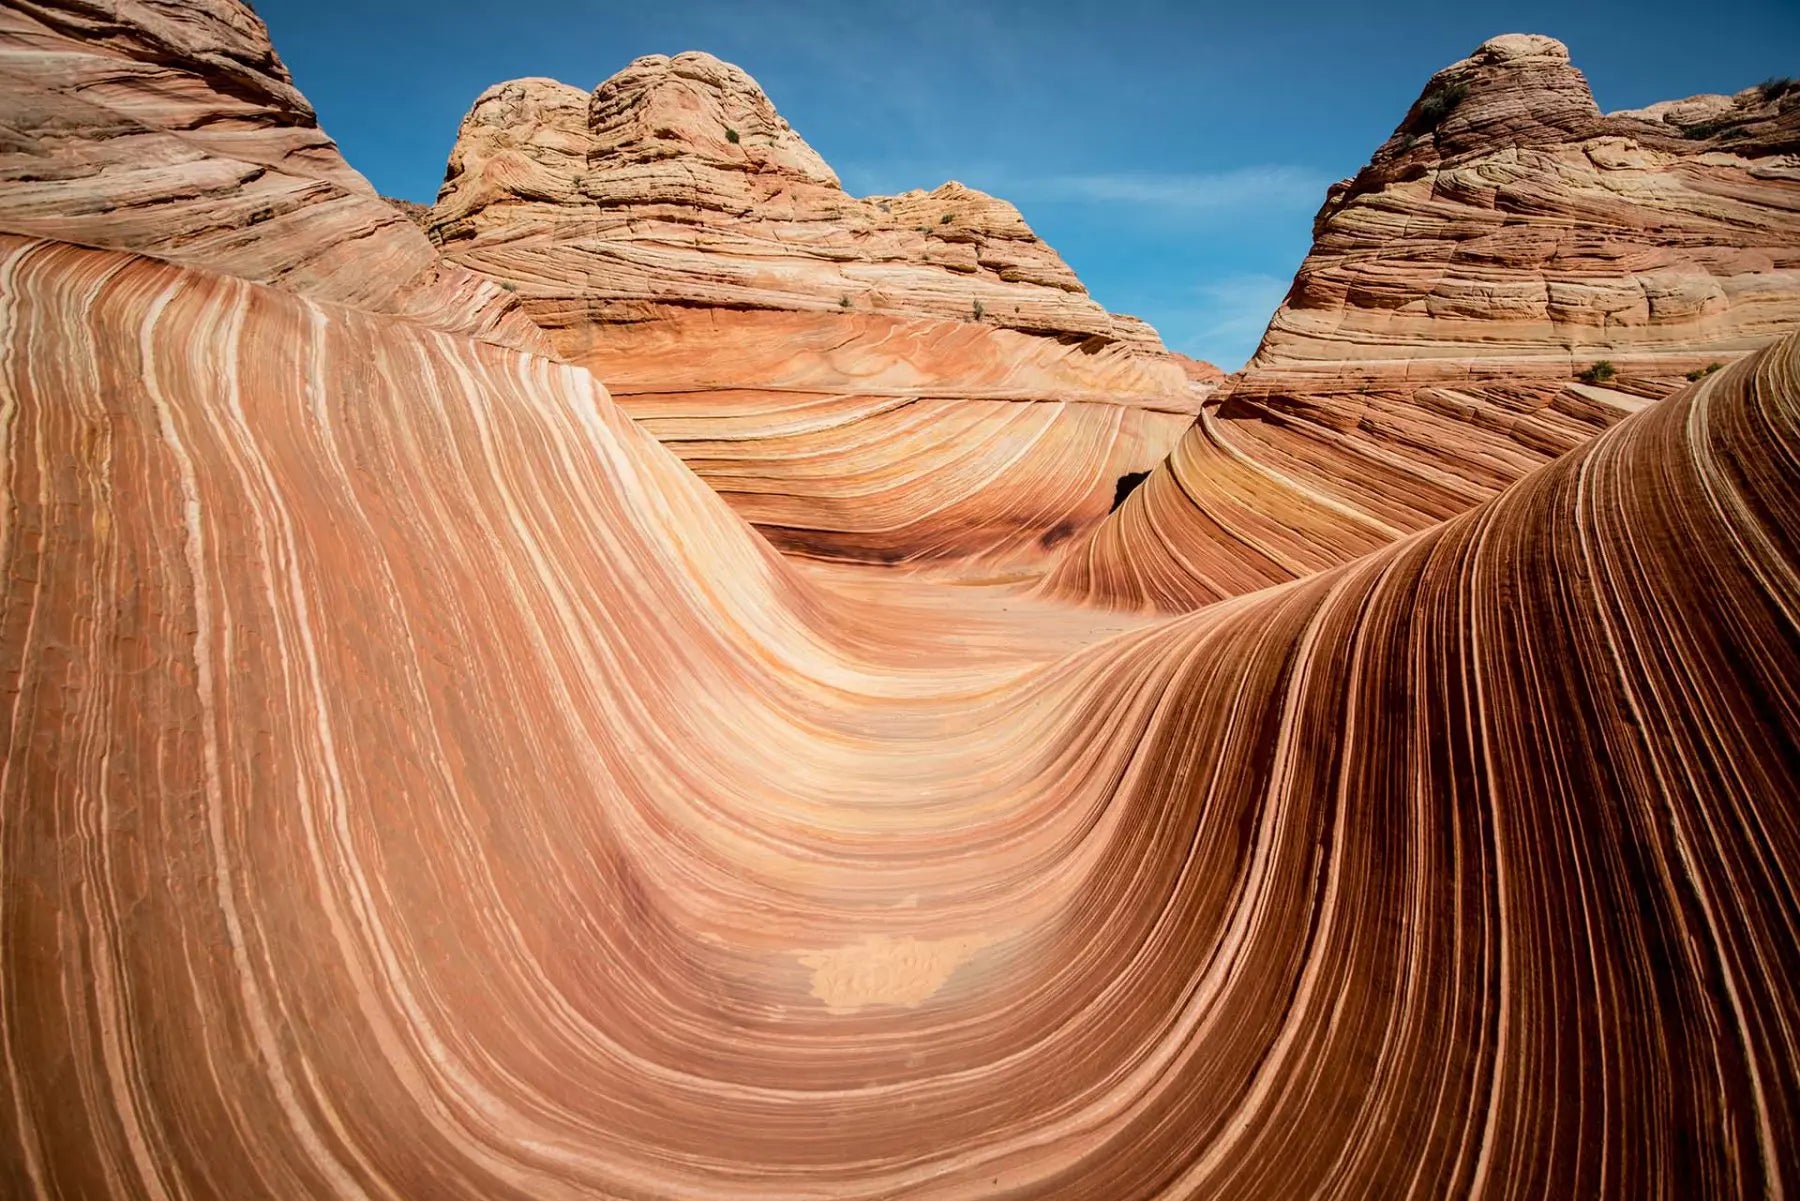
(946, 219)
(979, 310)
(843, 302)
(731, 135)
(1439, 104)
(1703, 372)
(1598, 373)
(1775, 85)
(1704, 130)
(509, 285)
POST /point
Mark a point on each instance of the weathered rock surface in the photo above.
(1503, 242)
(884, 439)
(855, 375)
(173, 129)
(418, 784)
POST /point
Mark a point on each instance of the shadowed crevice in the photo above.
(1127, 482)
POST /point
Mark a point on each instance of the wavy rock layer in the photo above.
(174, 130)
(882, 439)
(1506, 239)
(418, 784)
(959, 398)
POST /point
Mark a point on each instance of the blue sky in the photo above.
(1173, 153)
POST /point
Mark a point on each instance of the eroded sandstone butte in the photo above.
(1441, 337)
(892, 378)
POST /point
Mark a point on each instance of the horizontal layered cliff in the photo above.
(1512, 273)
(913, 378)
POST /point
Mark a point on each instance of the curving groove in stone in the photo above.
(940, 446)
(1440, 340)
(418, 784)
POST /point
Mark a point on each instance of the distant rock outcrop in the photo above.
(418, 214)
(914, 377)
(1507, 228)
(677, 183)
(1513, 272)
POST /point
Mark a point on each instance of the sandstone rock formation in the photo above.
(677, 183)
(173, 129)
(1509, 227)
(417, 783)
(913, 377)
(1441, 338)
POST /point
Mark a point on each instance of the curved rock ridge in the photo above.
(855, 375)
(938, 445)
(418, 784)
(175, 130)
(1513, 272)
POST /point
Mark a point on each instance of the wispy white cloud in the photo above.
(1196, 194)
(1262, 188)
(1223, 319)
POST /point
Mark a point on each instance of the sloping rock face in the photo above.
(1443, 335)
(418, 784)
(174, 130)
(913, 378)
